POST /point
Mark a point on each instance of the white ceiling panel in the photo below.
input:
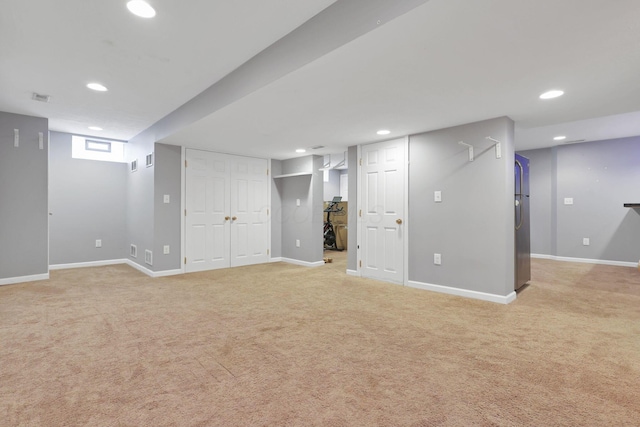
(444, 63)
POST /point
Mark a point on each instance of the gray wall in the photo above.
(140, 198)
(473, 227)
(302, 222)
(23, 197)
(87, 200)
(600, 177)
(352, 230)
(542, 199)
(167, 179)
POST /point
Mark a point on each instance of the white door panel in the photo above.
(383, 204)
(227, 211)
(249, 185)
(207, 231)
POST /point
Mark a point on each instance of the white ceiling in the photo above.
(151, 67)
(444, 63)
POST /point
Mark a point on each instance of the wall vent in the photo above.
(317, 147)
(134, 165)
(575, 141)
(133, 251)
(40, 97)
(148, 257)
(149, 160)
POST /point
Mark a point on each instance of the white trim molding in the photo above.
(586, 260)
(353, 273)
(128, 262)
(506, 299)
(150, 273)
(165, 273)
(303, 263)
(22, 279)
(88, 264)
(275, 259)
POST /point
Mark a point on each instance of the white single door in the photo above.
(207, 215)
(249, 211)
(383, 200)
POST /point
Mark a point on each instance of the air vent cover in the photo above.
(148, 257)
(39, 97)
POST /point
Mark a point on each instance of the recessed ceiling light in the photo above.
(383, 132)
(301, 150)
(559, 138)
(141, 8)
(552, 94)
(95, 128)
(97, 87)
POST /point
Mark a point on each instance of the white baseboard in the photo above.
(353, 273)
(22, 279)
(464, 292)
(586, 260)
(165, 273)
(87, 264)
(116, 262)
(150, 273)
(275, 259)
(542, 256)
(303, 263)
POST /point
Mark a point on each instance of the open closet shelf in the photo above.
(287, 175)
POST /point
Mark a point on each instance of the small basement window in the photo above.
(102, 146)
(97, 149)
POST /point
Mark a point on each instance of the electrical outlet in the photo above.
(437, 259)
(166, 249)
(437, 196)
(297, 202)
(568, 200)
(297, 243)
(98, 243)
(167, 198)
(585, 241)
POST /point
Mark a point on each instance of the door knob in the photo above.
(233, 218)
(398, 221)
(226, 218)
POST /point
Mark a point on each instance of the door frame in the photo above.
(405, 220)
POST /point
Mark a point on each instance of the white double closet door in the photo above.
(227, 211)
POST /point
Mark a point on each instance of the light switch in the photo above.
(166, 249)
(585, 241)
(167, 199)
(297, 202)
(437, 196)
(437, 259)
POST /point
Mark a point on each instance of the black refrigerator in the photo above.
(523, 233)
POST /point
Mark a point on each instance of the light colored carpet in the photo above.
(283, 345)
